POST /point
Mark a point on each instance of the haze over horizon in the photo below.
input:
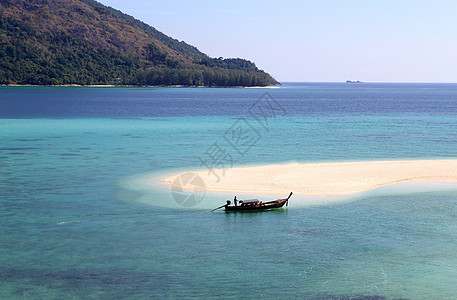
(411, 41)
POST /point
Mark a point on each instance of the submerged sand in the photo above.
(326, 179)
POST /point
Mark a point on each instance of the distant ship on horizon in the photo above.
(352, 81)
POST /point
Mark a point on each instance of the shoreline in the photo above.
(324, 179)
(137, 86)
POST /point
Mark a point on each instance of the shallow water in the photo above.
(77, 220)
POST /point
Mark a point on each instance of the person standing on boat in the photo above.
(234, 200)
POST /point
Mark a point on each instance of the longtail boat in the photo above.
(254, 204)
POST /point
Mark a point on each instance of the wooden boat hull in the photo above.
(264, 206)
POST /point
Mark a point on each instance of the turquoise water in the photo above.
(78, 221)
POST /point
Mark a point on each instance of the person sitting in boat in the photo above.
(228, 203)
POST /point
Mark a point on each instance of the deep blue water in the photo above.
(70, 227)
(301, 100)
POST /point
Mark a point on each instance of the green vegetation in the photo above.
(172, 43)
(202, 76)
(41, 59)
(95, 44)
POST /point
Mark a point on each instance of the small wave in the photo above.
(68, 222)
(16, 149)
(29, 140)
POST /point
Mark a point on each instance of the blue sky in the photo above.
(325, 41)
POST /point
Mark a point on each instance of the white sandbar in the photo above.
(325, 179)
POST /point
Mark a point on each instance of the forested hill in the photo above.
(57, 42)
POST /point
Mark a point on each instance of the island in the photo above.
(83, 42)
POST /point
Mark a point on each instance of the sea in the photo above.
(85, 212)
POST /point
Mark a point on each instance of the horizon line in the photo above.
(362, 82)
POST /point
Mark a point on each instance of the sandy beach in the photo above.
(325, 179)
